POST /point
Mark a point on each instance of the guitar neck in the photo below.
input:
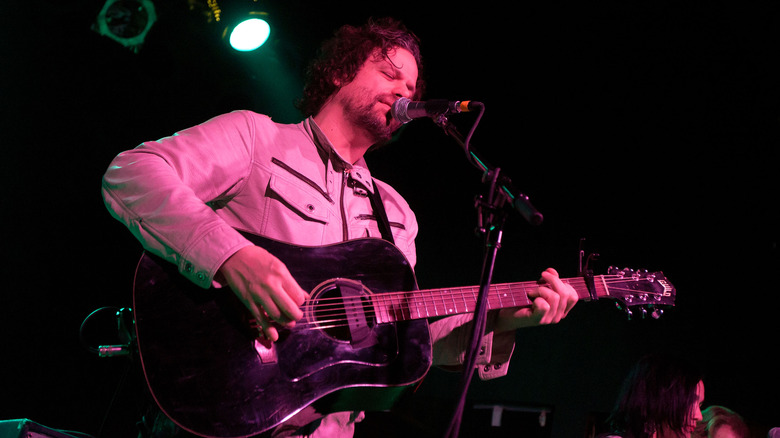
(431, 303)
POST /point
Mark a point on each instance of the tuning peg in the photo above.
(614, 270)
(627, 272)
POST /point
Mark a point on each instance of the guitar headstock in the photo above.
(648, 292)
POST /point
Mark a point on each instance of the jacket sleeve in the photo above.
(162, 191)
(450, 337)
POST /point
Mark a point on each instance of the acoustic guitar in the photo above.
(363, 337)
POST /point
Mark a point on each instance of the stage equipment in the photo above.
(24, 428)
(243, 25)
(126, 21)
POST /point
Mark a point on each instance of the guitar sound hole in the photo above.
(344, 313)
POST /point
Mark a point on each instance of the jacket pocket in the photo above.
(302, 199)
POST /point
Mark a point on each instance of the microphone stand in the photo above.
(491, 217)
(519, 201)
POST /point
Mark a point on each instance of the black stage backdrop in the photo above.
(648, 130)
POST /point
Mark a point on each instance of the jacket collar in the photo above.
(358, 172)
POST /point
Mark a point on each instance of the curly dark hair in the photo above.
(341, 57)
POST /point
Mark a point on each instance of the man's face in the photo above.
(378, 83)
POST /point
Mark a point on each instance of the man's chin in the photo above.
(382, 129)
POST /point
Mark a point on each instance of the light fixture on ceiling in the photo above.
(126, 21)
(243, 25)
(250, 33)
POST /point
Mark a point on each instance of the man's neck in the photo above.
(349, 141)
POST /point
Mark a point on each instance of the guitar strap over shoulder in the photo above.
(381, 215)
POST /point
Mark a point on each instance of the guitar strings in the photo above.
(403, 309)
(332, 312)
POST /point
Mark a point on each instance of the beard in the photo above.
(360, 110)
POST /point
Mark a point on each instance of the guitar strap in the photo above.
(381, 215)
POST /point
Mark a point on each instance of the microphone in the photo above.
(405, 110)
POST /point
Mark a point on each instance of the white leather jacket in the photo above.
(184, 197)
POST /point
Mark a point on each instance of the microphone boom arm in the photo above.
(519, 201)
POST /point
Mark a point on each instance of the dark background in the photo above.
(648, 130)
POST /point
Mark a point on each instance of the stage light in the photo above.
(244, 26)
(250, 34)
(126, 21)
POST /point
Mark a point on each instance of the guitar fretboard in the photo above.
(431, 303)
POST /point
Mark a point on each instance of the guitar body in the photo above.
(209, 373)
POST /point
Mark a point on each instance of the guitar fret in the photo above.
(380, 308)
(420, 306)
(435, 304)
(405, 305)
(402, 307)
(389, 308)
(443, 302)
(506, 295)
